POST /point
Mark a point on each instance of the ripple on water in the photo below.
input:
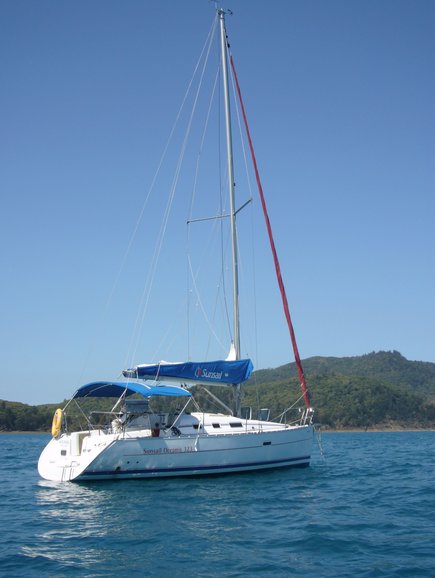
(364, 511)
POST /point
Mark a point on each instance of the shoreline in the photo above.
(395, 429)
(377, 430)
(24, 432)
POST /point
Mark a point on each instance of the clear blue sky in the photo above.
(340, 96)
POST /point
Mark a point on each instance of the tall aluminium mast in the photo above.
(231, 187)
(221, 15)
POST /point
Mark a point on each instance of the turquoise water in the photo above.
(366, 508)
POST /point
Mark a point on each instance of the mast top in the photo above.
(223, 11)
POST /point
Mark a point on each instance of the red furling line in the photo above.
(272, 246)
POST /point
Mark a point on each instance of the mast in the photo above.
(231, 187)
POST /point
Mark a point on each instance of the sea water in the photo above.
(365, 508)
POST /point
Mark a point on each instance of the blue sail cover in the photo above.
(216, 372)
(116, 388)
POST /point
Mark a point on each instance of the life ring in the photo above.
(57, 423)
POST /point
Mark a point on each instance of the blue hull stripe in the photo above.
(199, 469)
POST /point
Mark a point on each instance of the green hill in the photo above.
(16, 416)
(376, 390)
(388, 366)
(380, 389)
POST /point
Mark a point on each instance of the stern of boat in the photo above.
(64, 458)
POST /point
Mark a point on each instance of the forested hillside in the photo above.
(380, 389)
(388, 366)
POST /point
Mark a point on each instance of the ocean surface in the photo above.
(365, 508)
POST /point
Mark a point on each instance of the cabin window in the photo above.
(236, 424)
(63, 452)
(216, 425)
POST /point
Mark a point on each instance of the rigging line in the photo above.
(223, 250)
(188, 300)
(223, 260)
(257, 390)
(193, 195)
(194, 190)
(249, 184)
(171, 134)
(222, 292)
(254, 286)
(144, 205)
(239, 124)
(223, 276)
(222, 205)
(193, 277)
(195, 288)
(201, 147)
(273, 248)
(164, 341)
(146, 294)
(282, 414)
(240, 257)
(221, 213)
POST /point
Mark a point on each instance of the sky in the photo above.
(340, 100)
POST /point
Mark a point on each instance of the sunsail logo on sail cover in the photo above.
(202, 373)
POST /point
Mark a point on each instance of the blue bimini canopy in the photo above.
(213, 372)
(117, 388)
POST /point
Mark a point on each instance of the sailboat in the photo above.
(136, 438)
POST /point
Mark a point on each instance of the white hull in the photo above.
(135, 454)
